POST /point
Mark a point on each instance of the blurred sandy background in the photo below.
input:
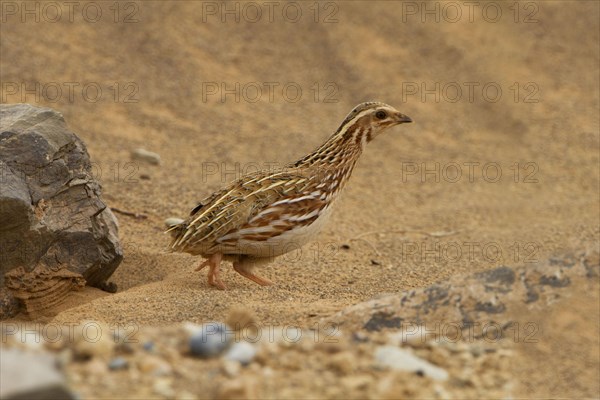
(162, 68)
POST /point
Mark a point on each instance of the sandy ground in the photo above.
(504, 175)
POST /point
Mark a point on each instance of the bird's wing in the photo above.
(248, 207)
(209, 199)
(288, 211)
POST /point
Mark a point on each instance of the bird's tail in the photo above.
(175, 227)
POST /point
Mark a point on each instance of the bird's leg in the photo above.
(243, 268)
(214, 263)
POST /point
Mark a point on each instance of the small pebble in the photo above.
(210, 340)
(145, 155)
(360, 337)
(118, 363)
(145, 177)
(243, 352)
(402, 360)
(148, 346)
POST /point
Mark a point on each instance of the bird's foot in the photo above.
(245, 271)
(214, 264)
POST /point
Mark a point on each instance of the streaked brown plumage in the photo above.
(268, 213)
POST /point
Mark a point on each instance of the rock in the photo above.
(210, 340)
(148, 346)
(26, 375)
(146, 156)
(9, 305)
(50, 206)
(288, 336)
(482, 296)
(413, 335)
(118, 363)
(42, 288)
(242, 352)
(402, 360)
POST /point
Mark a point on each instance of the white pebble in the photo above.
(402, 360)
(145, 155)
(212, 339)
(243, 352)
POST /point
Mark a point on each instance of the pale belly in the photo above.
(291, 240)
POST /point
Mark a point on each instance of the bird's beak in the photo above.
(403, 119)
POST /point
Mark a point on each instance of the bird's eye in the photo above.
(380, 114)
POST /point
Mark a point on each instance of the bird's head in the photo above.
(368, 120)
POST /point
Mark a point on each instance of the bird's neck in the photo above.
(333, 162)
(341, 150)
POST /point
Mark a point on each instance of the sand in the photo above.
(474, 183)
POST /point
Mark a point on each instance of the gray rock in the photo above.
(243, 352)
(490, 295)
(210, 340)
(403, 360)
(27, 375)
(148, 346)
(50, 206)
(118, 363)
